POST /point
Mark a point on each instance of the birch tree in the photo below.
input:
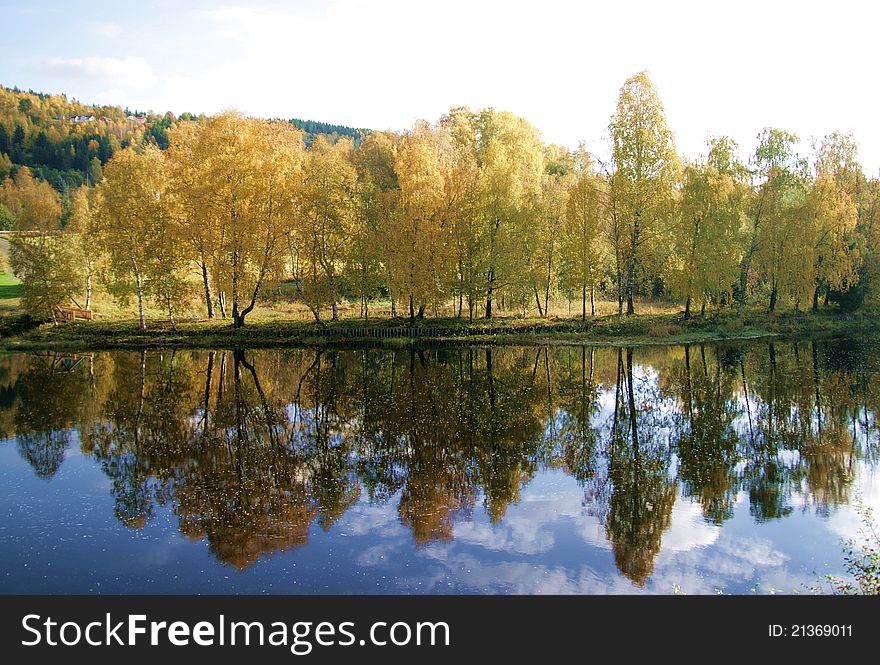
(645, 171)
(131, 214)
(706, 234)
(583, 248)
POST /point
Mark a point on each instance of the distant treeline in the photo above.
(313, 128)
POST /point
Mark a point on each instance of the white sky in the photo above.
(721, 68)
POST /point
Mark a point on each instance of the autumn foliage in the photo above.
(472, 212)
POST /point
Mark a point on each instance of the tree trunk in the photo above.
(632, 406)
(89, 289)
(592, 300)
(774, 294)
(239, 319)
(584, 302)
(631, 266)
(816, 297)
(630, 287)
(207, 403)
(209, 300)
(221, 300)
(140, 295)
(746, 262)
(140, 290)
(538, 300)
(412, 311)
(547, 288)
(170, 313)
(687, 309)
(460, 286)
(489, 303)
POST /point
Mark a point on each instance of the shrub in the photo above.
(862, 560)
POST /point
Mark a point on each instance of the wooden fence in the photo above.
(407, 332)
(73, 313)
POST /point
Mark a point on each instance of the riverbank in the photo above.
(609, 330)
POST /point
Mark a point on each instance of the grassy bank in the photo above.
(657, 328)
(10, 293)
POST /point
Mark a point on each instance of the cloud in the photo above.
(689, 530)
(131, 71)
(104, 29)
(847, 523)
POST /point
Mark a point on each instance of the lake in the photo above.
(731, 468)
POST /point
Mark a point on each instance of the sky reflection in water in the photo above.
(705, 469)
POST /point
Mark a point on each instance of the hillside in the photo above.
(312, 128)
(67, 143)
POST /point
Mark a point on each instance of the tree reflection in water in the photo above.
(252, 448)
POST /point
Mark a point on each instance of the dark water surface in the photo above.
(700, 469)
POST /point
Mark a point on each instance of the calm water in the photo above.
(703, 469)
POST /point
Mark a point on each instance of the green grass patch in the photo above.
(10, 295)
(661, 328)
(10, 286)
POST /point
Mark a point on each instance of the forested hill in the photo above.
(67, 143)
(313, 128)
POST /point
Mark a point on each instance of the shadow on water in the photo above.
(250, 449)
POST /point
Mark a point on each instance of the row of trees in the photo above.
(473, 209)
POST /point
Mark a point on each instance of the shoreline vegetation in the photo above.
(665, 328)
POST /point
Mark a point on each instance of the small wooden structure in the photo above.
(73, 313)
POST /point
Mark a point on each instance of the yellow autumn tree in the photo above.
(82, 229)
(419, 248)
(832, 255)
(511, 163)
(249, 182)
(828, 256)
(645, 169)
(329, 209)
(379, 195)
(132, 216)
(777, 214)
(706, 231)
(583, 250)
(542, 241)
(196, 226)
(40, 254)
(462, 186)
